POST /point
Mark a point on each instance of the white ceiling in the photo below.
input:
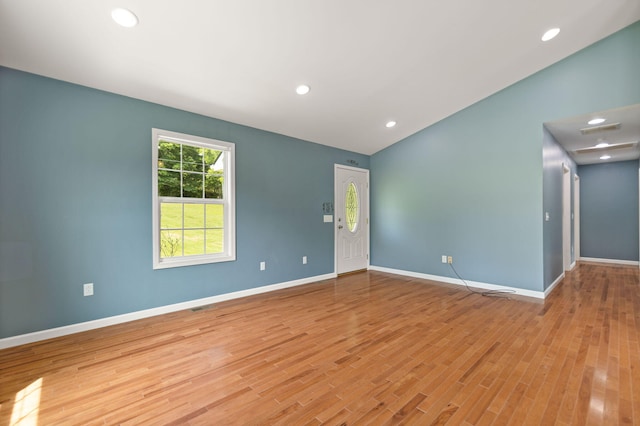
(367, 62)
(568, 133)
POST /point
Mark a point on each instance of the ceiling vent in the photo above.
(598, 129)
(612, 147)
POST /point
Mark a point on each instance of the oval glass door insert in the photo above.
(352, 207)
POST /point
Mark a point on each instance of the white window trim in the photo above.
(229, 203)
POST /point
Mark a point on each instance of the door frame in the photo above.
(576, 218)
(367, 228)
(566, 218)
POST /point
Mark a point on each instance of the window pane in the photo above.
(193, 242)
(213, 160)
(192, 158)
(169, 151)
(192, 185)
(194, 215)
(213, 185)
(170, 243)
(215, 216)
(352, 207)
(170, 215)
(215, 241)
(168, 183)
(168, 164)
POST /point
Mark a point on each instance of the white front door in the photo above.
(351, 219)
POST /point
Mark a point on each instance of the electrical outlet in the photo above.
(444, 258)
(87, 289)
(450, 259)
(304, 260)
(263, 266)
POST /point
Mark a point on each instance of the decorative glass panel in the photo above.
(352, 207)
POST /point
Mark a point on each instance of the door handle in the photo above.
(340, 227)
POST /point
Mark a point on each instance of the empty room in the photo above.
(287, 212)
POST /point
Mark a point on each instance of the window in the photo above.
(352, 207)
(193, 200)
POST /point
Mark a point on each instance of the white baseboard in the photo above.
(36, 336)
(449, 280)
(615, 261)
(553, 285)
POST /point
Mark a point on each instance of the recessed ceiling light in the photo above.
(602, 145)
(390, 124)
(596, 121)
(605, 157)
(303, 89)
(550, 34)
(124, 17)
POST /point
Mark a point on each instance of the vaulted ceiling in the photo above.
(367, 62)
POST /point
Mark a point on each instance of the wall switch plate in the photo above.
(546, 216)
(327, 218)
(304, 260)
(87, 289)
(263, 266)
(444, 258)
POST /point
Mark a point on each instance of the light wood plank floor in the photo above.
(370, 348)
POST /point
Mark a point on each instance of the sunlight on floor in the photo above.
(27, 405)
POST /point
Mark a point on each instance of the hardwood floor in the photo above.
(369, 348)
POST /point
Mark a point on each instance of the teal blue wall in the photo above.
(609, 210)
(471, 185)
(553, 159)
(75, 188)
